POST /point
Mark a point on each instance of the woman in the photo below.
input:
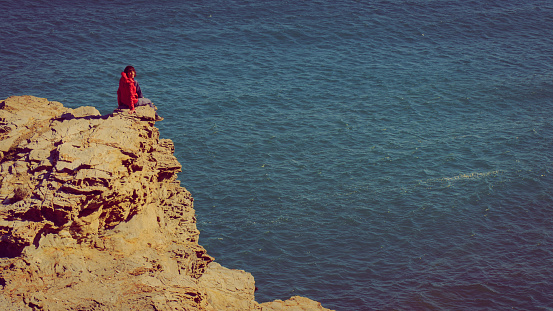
(129, 94)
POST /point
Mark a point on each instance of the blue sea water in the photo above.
(370, 155)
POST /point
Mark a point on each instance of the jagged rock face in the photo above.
(81, 191)
(77, 171)
(92, 217)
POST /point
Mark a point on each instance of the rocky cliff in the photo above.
(92, 217)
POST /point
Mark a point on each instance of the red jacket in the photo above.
(126, 94)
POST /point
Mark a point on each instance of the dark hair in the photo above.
(129, 69)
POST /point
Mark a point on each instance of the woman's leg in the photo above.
(144, 102)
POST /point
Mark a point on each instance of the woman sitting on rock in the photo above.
(129, 94)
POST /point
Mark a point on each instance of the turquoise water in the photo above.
(370, 155)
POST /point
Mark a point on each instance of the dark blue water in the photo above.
(370, 155)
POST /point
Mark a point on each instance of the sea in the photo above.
(366, 154)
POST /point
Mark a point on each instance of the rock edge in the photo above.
(94, 218)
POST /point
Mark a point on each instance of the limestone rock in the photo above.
(92, 217)
(229, 289)
(295, 303)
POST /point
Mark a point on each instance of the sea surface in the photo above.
(369, 155)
